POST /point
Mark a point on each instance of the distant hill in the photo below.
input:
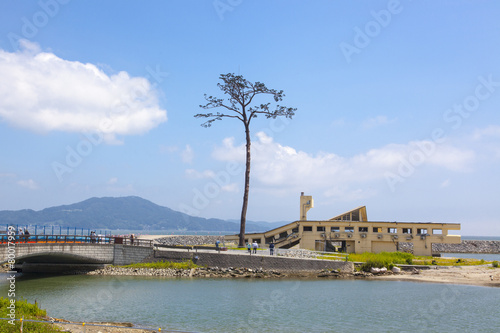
(129, 213)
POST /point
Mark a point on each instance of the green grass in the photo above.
(163, 265)
(332, 256)
(382, 259)
(29, 311)
(389, 259)
(437, 261)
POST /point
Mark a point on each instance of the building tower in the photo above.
(306, 203)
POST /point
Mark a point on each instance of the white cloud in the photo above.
(29, 184)
(168, 149)
(232, 188)
(187, 155)
(490, 131)
(446, 183)
(193, 174)
(339, 123)
(377, 121)
(42, 92)
(489, 145)
(283, 168)
(112, 181)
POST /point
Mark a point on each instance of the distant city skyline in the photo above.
(398, 107)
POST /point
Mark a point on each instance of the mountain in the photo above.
(129, 213)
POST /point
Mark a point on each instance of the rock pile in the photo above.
(298, 253)
(467, 246)
(189, 240)
(206, 272)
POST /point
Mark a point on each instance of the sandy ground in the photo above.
(469, 275)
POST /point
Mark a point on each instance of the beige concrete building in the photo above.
(352, 232)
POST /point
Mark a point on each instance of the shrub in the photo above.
(28, 311)
(495, 264)
(376, 263)
(383, 259)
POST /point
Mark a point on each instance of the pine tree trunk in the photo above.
(247, 189)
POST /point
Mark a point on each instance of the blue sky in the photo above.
(397, 107)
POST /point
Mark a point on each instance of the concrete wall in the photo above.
(225, 260)
(128, 254)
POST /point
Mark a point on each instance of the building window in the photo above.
(349, 229)
(322, 229)
(270, 240)
(308, 229)
(422, 231)
(407, 231)
(377, 229)
(363, 229)
(294, 230)
(392, 230)
(335, 229)
(437, 231)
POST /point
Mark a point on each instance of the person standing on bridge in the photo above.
(255, 246)
(26, 235)
(271, 249)
(249, 247)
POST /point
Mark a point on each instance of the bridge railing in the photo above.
(94, 239)
(52, 230)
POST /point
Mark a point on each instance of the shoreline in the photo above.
(484, 275)
(104, 327)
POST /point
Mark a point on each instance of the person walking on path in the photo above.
(255, 246)
(249, 247)
(271, 249)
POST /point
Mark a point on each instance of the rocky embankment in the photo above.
(208, 272)
(216, 272)
(189, 240)
(467, 246)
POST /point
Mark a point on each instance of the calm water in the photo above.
(225, 305)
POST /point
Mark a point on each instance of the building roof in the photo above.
(356, 214)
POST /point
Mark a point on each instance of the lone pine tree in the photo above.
(240, 105)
